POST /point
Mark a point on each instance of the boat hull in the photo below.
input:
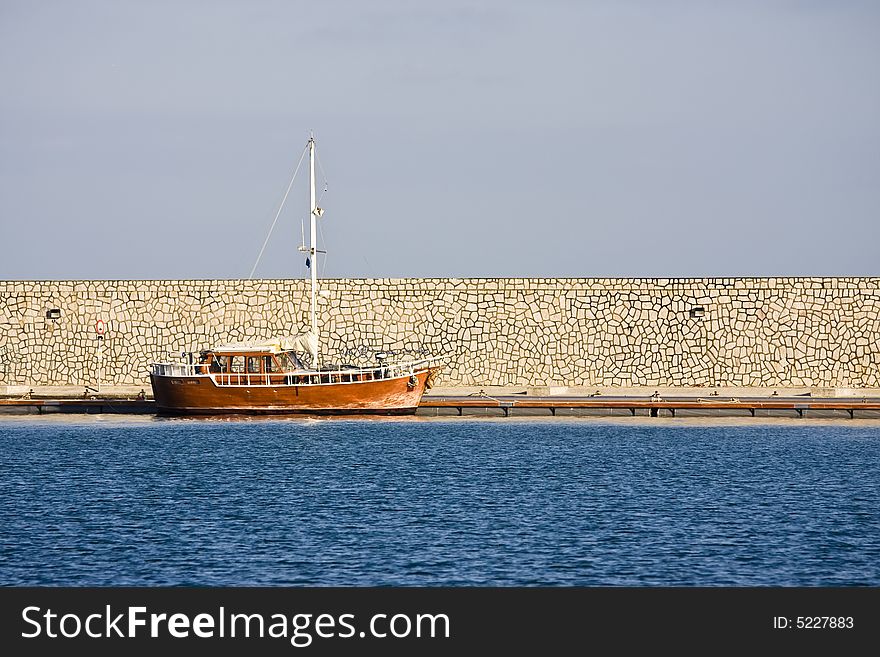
(200, 395)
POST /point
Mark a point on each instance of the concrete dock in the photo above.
(653, 407)
(548, 401)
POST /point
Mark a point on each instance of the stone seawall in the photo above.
(578, 332)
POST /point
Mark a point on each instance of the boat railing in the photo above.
(177, 369)
(300, 377)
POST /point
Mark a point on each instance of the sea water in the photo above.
(104, 500)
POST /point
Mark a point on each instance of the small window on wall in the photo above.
(237, 366)
(698, 311)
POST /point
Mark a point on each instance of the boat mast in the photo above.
(313, 250)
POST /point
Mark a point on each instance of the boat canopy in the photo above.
(306, 341)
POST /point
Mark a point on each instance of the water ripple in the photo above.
(298, 502)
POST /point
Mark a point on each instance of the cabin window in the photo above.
(237, 365)
(220, 364)
(253, 364)
(269, 365)
(286, 363)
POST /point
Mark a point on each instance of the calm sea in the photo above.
(101, 500)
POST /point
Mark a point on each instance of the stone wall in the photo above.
(602, 332)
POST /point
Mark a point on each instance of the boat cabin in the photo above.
(249, 362)
(238, 365)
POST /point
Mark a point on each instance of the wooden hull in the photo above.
(199, 394)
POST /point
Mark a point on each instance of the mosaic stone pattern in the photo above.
(575, 332)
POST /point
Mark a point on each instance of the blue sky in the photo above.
(457, 139)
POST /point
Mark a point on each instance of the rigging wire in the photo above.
(323, 265)
(278, 214)
(323, 175)
(323, 268)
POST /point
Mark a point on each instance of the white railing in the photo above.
(177, 369)
(299, 377)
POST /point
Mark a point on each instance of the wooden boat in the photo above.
(271, 376)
